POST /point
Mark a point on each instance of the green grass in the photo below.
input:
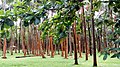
(57, 61)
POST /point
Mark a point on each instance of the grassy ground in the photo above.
(57, 61)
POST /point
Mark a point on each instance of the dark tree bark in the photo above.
(85, 37)
(104, 37)
(93, 37)
(75, 48)
(98, 40)
(58, 47)
(90, 44)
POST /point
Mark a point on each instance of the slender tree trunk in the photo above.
(16, 39)
(66, 48)
(70, 45)
(19, 37)
(58, 49)
(101, 38)
(85, 37)
(105, 41)
(41, 50)
(40, 44)
(11, 42)
(5, 43)
(75, 48)
(62, 49)
(55, 49)
(82, 43)
(23, 42)
(43, 46)
(4, 48)
(93, 37)
(90, 44)
(32, 45)
(33, 40)
(79, 45)
(36, 41)
(27, 42)
(48, 46)
(99, 45)
(111, 18)
(51, 44)
(19, 44)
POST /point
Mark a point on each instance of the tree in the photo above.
(93, 37)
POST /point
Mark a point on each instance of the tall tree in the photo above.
(85, 37)
(93, 36)
(75, 48)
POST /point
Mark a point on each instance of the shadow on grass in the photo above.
(23, 56)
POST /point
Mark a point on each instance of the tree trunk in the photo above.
(41, 49)
(58, 49)
(51, 44)
(40, 46)
(93, 37)
(75, 49)
(62, 49)
(111, 19)
(79, 45)
(19, 38)
(85, 37)
(4, 48)
(90, 44)
(70, 45)
(33, 40)
(48, 46)
(16, 39)
(104, 34)
(23, 42)
(32, 45)
(11, 42)
(55, 49)
(101, 38)
(66, 48)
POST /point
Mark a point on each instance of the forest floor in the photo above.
(57, 61)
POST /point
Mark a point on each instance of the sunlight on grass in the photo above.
(57, 61)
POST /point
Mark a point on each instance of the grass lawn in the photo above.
(57, 61)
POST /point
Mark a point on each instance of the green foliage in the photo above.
(117, 54)
(58, 25)
(105, 56)
(115, 4)
(107, 51)
(96, 5)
